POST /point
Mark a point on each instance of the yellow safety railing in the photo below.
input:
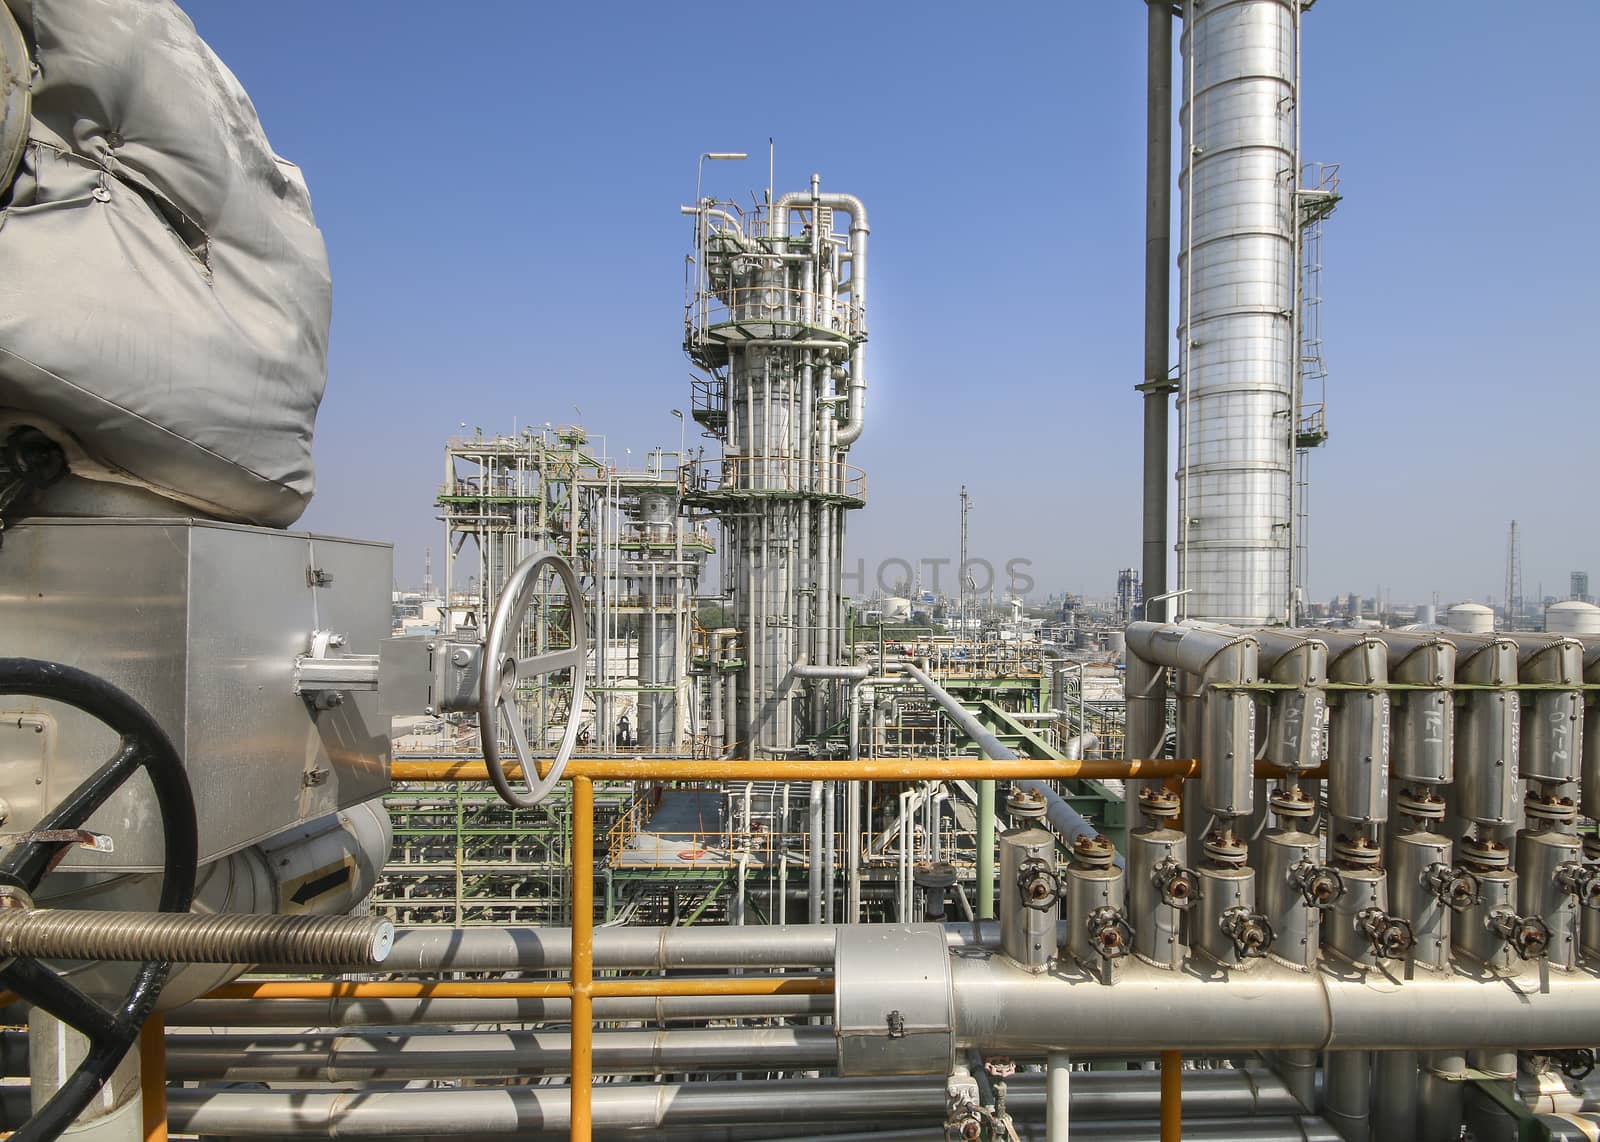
(581, 987)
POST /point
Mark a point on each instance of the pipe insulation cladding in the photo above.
(1236, 290)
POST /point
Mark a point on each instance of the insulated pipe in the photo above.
(1223, 1095)
(1157, 292)
(1002, 1008)
(1218, 656)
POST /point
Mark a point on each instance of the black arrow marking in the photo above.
(327, 882)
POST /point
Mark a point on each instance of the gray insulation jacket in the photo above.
(164, 289)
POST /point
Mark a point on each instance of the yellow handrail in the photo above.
(582, 987)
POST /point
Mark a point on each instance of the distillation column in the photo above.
(1236, 275)
(776, 323)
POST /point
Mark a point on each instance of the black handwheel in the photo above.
(144, 745)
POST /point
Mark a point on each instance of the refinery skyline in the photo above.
(1006, 334)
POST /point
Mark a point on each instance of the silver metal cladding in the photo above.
(1236, 288)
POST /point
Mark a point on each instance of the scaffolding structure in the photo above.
(637, 557)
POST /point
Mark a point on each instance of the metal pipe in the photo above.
(853, 769)
(582, 1054)
(1217, 1096)
(986, 850)
(1157, 289)
(814, 853)
(1058, 1097)
(440, 949)
(1171, 1096)
(481, 1055)
(340, 1011)
(1347, 1093)
(153, 1077)
(1002, 1008)
(526, 989)
(850, 431)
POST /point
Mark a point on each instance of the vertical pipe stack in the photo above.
(1236, 272)
(1157, 290)
(776, 323)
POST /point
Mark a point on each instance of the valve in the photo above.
(1038, 883)
(1582, 880)
(1391, 937)
(1251, 932)
(1528, 936)
(1110, 934)
(1319, 884)
(1456, 888)
(1179, 886)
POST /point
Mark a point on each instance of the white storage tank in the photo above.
(896, 609)
(1470, 618)
(1572, 617)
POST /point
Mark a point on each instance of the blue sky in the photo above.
(499, 187)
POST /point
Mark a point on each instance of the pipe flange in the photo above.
(1420, 804)
(1094, 852)
(1160, 804)
(1025, 804)
(1357, 852)
(1222, 847)
(935, 876)
(1485, 855)
(1554, 810)
(1292, 803)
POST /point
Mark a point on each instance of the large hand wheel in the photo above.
(503, 672)
(144, 745)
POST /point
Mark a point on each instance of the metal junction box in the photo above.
(201, 623)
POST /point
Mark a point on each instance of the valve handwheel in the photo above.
(503, 673)
(144, 745)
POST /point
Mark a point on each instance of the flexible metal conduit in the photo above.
(1096, 1097)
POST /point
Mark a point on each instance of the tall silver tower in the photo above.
(776, 321)
(1238, 397)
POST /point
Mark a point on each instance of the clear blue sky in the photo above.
(499, 186)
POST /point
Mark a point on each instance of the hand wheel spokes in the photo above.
(504, 673)
(144, 745)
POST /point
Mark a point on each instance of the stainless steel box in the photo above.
(200, 622)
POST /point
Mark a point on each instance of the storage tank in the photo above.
(1427, 614)
(1572, 617)
(896, 609)
(1470, 618)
